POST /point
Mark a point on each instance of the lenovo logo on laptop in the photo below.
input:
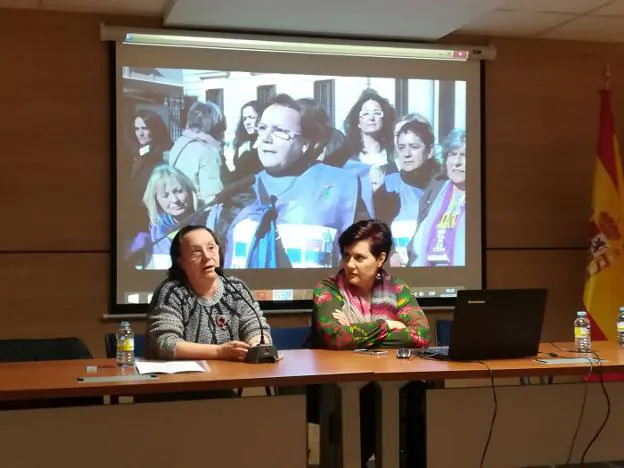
(476, 302)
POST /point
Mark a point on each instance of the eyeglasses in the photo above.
(369, 114)
(199, 254)
(276, 132)
(456, 154)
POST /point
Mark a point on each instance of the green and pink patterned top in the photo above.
(391, 300)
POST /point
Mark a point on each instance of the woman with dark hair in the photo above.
(368, 150)
(245, 159)
(336, 138)
(194, 314)
(364, 307)
(440, 239)
(150, 145)
(245, 135)
(415, 148)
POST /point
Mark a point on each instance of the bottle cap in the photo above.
(581, 313)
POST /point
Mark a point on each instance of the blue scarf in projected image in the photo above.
(266, 249)
(294, 221)
(162, 233)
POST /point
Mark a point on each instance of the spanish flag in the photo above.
(604, 284)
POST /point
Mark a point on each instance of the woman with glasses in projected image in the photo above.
(300, 203)
(440, 239)
(368, 150)
(363, 307)
(171, 202)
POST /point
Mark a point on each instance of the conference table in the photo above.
(535, 423)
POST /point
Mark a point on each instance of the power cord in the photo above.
(583, 405)
(431, 355)
(581, 415)
(608, 413)
(494, 414)
(605, 393)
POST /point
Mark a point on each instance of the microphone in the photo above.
(262, 353)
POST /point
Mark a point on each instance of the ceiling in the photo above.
(590, 20)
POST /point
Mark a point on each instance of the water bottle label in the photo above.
(620, 327)
(126, 345)
(581, 332)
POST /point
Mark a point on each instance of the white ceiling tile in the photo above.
(142, 7)
(615, 8)
(18, 3)
(515, 23)
(416, 20)
(590, 28)
(563, 6)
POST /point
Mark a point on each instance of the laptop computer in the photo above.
(494, 324)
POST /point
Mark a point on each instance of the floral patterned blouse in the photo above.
(327, 331)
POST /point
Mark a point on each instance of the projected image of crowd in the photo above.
(280, 185)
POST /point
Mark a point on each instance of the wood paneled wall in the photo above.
(54, 126)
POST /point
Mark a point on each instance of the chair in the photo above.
(290, 338)
(110, 341)
(50, 349)
(47, 349)
(443, 332)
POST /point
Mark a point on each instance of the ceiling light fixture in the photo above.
(298, 45)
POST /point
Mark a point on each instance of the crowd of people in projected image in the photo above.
(294, 183)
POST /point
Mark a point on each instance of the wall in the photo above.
(54, 125)
(542, 122)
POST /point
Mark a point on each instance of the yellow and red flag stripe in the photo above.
(604, 283)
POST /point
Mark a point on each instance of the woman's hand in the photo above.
(395, 325)
(341, 317)
(233, 351)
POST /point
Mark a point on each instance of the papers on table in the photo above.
(169, 367)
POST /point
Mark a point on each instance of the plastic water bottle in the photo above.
(620, 327)
(582, 329)
(125, 345)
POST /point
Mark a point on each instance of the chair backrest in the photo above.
(290, 337)
(110, 341)
(443, 332)
(51, 349)
(44, 349)
(283, 338)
